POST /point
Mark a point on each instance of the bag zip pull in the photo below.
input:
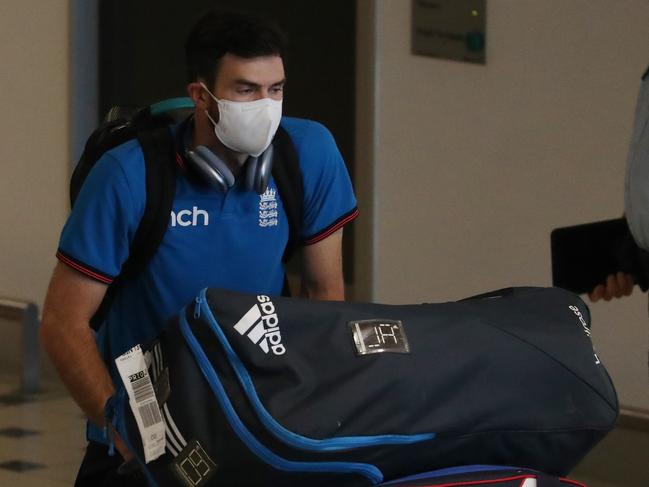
(197, 307)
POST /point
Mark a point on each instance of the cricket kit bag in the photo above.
(246, 390)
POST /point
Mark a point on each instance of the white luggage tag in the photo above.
(132, 369)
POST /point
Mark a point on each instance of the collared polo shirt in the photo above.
(233, 240)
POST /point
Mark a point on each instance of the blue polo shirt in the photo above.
(233, 240)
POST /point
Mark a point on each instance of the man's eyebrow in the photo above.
(246, 82)
(252, 84)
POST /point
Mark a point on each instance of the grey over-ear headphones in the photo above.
(217, 174)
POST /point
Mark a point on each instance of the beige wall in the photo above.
(470, 167)
(463, 170)
(34, 148)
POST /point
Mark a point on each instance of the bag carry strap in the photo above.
(159, 162)
(500, 293)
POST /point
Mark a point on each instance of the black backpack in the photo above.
(150, 126)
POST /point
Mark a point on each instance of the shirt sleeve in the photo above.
(329, 200)
(637, 175)
(95, 239)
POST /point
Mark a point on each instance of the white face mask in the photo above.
(246, 126)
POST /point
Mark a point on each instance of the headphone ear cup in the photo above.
(251, 171)
(259, 170)
(211, 168)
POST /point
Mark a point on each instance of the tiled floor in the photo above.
(42, 437)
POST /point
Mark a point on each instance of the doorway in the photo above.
(141, 61)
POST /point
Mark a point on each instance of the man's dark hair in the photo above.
(220, 32)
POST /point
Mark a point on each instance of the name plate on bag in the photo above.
(379, 336)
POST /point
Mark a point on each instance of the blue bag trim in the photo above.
(369, 471)
(279, 431)
(451, 471)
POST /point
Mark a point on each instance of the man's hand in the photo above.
(121, 447)
(616, 286)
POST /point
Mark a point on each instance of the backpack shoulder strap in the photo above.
(105, 137)
(288, 177)
(159, 162)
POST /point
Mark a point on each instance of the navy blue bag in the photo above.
(258, 390)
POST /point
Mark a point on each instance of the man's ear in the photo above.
(197, 93)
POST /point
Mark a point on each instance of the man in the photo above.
(636, 195)
(233, 239)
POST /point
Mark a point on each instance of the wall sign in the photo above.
(450, 29)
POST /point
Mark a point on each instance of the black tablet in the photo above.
(584, 255)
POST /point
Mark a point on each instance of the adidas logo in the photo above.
(261, 325)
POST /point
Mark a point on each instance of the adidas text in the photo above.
(186, 218)
(584, 325)
(261, 324)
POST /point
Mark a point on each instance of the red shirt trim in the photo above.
(342, 221)
(92, 273)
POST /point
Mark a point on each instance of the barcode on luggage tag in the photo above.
(143, 402)
(143, 395)
(142, 387)
(150, 414)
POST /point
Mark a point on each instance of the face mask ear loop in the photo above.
(210, 117)
(213, 98)
(209, 92)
